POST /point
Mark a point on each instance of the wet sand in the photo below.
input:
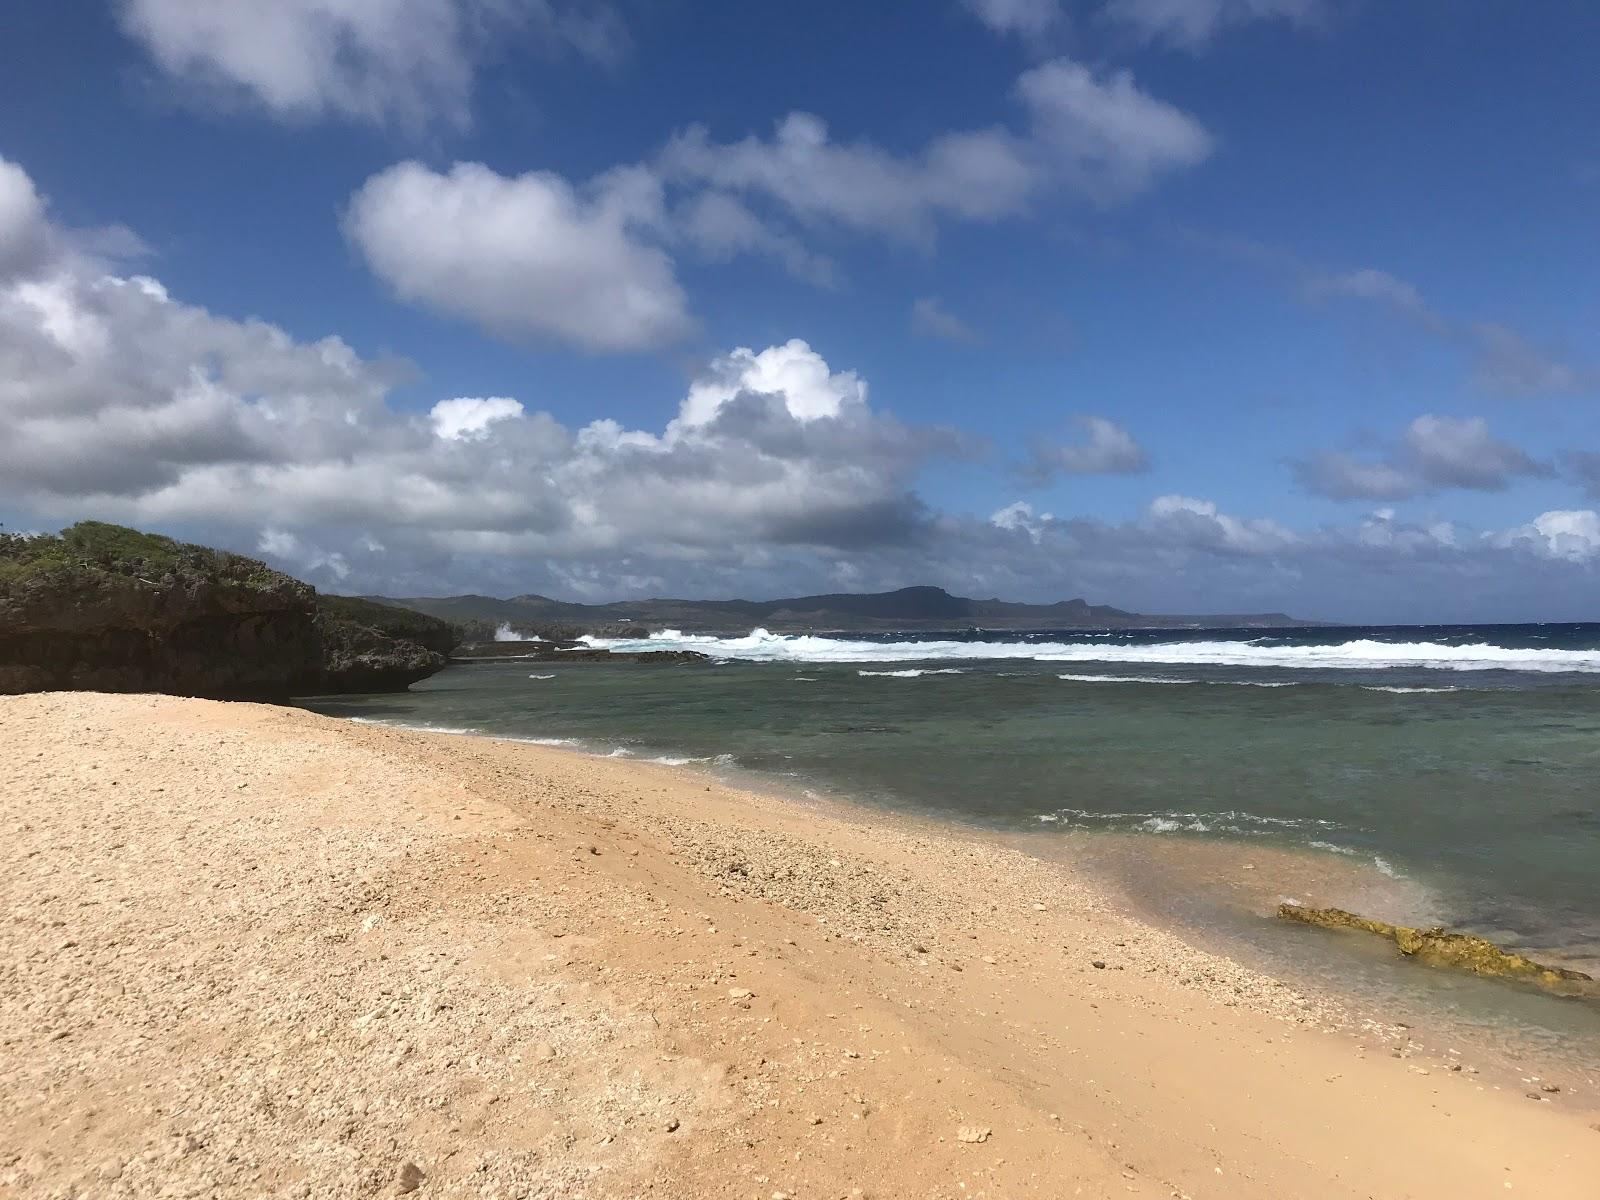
(251, 950)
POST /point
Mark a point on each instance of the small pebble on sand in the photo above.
(408, 1180)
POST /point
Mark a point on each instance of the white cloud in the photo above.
(1103, 135)
(540, 258)
(1099, 136)
(469, 417)
(1435, 452)
(23, 233)
(411, 62)
(1379, 287)
(1203, 521)
(1508, 364)
(528, 258)
(1025, 18)
(1504, 361)
(930, 318)
(1191, 24)
(122, 402)
(793, 372)
(1460, 452)
(306, 559)
(720, 226)
(1020, 517)
(1572, 535)
(1109, 449)
(978, 176)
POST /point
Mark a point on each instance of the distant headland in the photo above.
(905, 609)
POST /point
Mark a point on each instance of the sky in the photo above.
(1177, 305)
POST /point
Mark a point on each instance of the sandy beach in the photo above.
(253, 951)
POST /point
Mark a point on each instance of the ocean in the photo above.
(1419, 774)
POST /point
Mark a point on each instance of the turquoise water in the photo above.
(1414, 775)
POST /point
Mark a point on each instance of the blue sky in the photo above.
(1177, 304)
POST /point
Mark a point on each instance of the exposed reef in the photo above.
(569, 651)
(1442, 947)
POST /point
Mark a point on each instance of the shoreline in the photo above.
(1360, 987)
(527, 966)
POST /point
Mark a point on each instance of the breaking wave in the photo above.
(1359, 654)
(913, 672)
(1411, 691)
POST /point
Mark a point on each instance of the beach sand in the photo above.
(253, 951)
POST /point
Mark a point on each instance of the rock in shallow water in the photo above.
(1442, 947)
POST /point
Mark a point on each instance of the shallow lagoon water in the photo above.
(1412, 775)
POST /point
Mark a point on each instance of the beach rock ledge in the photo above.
(1442, 947)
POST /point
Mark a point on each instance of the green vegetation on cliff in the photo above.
(107, 608)
(93, 558)
(406, 624)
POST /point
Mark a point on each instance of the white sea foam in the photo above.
(1228, 818)
(466, 731)
(1170, 825)
(457, 729)
(506, 634)
(1359, 654)
(913, 672)
(541, 676)
(1122, 679)
(1331, 848)
(1411, 691)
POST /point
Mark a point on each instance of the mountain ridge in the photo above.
(917, 608)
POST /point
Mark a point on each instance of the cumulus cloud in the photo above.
(1020, 516)
(1202, 522)
(778, 471)
(469, 417)
(1573, 535)
(528, 258)
(1183, 24)
(1435, 452)
(1098, 135)
(792, 372)
(1102, 134)
(539, 257)
(121, 401)
(930, 318)
(287, 547)
(721, 226)
(24, 235)
(1192, 24)
(1107, 449)
(409, 62)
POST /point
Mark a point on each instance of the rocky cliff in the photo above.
(100, 607)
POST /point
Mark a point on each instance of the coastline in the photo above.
(715, 991)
